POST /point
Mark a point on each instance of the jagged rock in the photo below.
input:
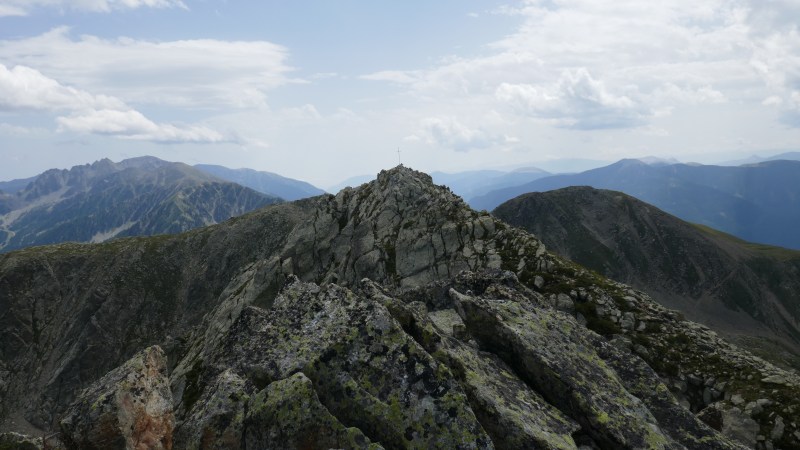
(130, 407)
(550, 353)
(218, 419)
(514, 415)
(17, 441)
(288, 414)
(364, 369)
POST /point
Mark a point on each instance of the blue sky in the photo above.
(324, 90)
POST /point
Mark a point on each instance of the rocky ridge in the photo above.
(489, 340)
(747, 292)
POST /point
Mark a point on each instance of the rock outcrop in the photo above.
(390, 315)
(130, 407)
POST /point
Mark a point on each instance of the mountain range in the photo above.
(265, 182)
(757, 202)
(746, 292)
(105, 200)
(471, 183)
(390, 315)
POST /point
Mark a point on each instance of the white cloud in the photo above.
(646, 60)
(25, 7)
(772, 100)
(26, 88)
(23, 88)
(203, 73)
(131, 124)
(576, 101)
(394, 76)
(449, 133)
(305, 112)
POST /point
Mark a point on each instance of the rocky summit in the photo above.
(388, 316)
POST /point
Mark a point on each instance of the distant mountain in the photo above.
(743, 290)
(570, 165)
(758, 203)
(105, 200)
(755, 159)
(657, 161)
(478, 182)
(14, 186)
(265, 182)
(355, 181)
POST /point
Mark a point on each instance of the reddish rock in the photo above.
(129, 408)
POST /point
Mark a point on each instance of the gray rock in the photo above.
(739, 426)
(592, 394)
(288, 414)
(776, 379)
(778, 429)
(565, 303)
(628, 321)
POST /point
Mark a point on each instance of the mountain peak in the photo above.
(401, 174)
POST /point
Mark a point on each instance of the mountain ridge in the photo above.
(265, 182)
(758, 203)
(705, 273)
(105, 200)
(476, 321)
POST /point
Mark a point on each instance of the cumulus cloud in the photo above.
(641, 60)
(25, 7)
(131, 124)
(576, 101)
(202, 73)
(26, 88)
(23, 88)
(448, 132)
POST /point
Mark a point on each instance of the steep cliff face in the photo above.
(390, 315)
(746, 291)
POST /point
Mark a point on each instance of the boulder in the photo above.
(128, 408)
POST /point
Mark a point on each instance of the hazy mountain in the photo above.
(740, 289)
(14, 186)
(355, 181)
(658, 161)
(388, 315)
(755, 159)
(477, 182)
(265, 182)
(104, 200)
(569, 165)
(758, 203)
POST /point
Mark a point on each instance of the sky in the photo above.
(328, 89)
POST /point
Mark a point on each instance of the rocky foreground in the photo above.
(387, 316)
